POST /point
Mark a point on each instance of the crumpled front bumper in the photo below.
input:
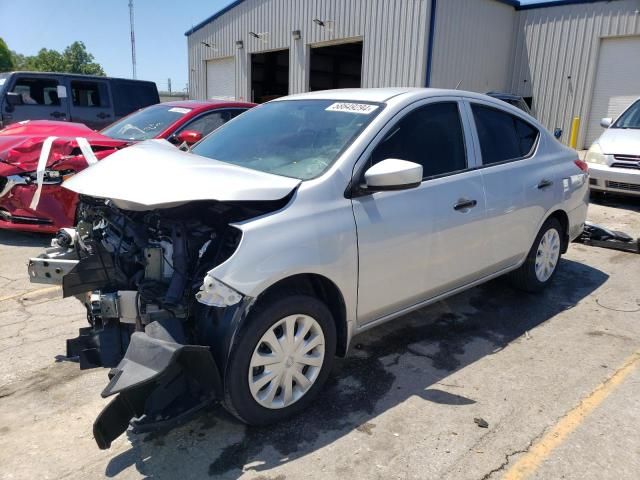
(159, 382)
(161, 375)
(56, 208)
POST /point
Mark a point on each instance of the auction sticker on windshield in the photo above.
(180, 110)
(362, 108)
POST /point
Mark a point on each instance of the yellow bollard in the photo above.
(573, 138)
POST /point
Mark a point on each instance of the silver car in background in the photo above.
(614, 158)
(237, 271)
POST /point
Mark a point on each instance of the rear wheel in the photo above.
(541, 263)
(282, 358)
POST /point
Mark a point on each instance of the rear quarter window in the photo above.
(131, 96)
(503, 137)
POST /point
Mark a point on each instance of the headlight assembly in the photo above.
(595, 155)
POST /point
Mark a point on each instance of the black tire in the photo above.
(238, 398)
(525, 278)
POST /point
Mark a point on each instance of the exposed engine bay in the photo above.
(155, 314)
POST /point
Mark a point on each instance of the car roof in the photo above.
(206, 104)
(379, 95)
(66, 74)
(502, 95)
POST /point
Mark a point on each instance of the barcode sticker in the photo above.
(362, 108)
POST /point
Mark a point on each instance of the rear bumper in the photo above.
(615, 180)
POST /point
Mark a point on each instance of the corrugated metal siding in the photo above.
(473, 45)
(394, 35)
(556, 57)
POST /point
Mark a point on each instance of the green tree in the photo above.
(6, 60)
(45, 61)
(74, 59)
(77, 60)
(19, 61)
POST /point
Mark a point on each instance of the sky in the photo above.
(103, 25)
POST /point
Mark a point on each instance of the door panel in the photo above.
(90, 103)
(516, 206)
(415, 244)
(521, 185)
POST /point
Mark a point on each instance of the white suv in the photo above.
(239, 270)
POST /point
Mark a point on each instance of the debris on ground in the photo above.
(599, 236)
(481, 422)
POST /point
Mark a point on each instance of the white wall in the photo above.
(473, 44)
(394, 34)
(556, 53)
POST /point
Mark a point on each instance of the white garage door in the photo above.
(221, 78)
(617, 82)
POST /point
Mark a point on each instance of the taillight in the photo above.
(582, 165)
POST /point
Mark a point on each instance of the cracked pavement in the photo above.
(402, 405)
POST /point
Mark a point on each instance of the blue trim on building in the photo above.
(219, 13)
(432, 35)
(513, 3)
(557, 3)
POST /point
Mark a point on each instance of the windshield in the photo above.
(630, 118)
(293, 138)
(146, 123)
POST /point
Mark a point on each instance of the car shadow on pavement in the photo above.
(24, 239)
(387, 365)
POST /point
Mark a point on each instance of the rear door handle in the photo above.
(544, 184)
(464, 204)
(57, 114)
(103, 115)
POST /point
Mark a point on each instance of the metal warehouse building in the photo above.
(566, 57)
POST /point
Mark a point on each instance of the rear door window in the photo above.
(37, 91)
(89, 94)
(503, 137)
(432, 136)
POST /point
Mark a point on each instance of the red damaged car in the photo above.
(32, 204)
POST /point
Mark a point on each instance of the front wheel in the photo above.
(281, 359)
(541, 263)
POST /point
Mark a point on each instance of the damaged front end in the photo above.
(156, 315)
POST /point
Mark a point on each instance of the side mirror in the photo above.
(393, 174)
(606, 122)
(189, 137)
(14, 99)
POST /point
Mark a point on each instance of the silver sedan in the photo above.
(239, 270)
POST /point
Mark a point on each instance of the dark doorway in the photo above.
(269, 75)
(336, 66)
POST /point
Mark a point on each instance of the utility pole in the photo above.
(133, 40)
(169, 81)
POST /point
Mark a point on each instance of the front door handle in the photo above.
(544, 184)
(464, 204)
(57, 114)
(103, 115)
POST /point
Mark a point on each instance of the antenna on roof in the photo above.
(458, 85)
